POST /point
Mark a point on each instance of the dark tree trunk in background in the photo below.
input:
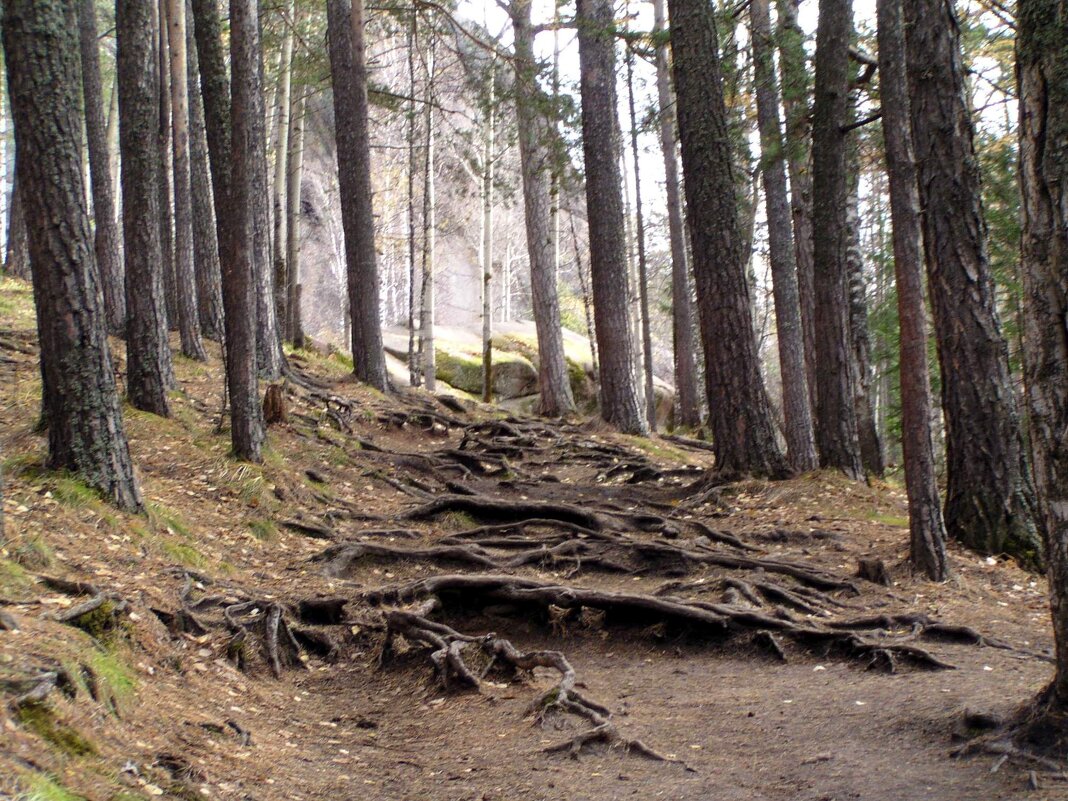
(107, 242)
(205, 239)
(239, 280)
(85, 432)
(687, 393)
(604, 203)
(836, 419)
(796, 92)
(927, 550)
(990, 500)
(148, 356)
(743, 433)
(294, 173)
(184, 273)
(1042, 73)
(797, 410)
(17, 257)
(166, 170)
(349, 74)
(534, 134)
(871, 447)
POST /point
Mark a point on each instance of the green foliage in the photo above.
(44, 788)
(42, 720)
(263, 530)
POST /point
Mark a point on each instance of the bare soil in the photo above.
(144, 709)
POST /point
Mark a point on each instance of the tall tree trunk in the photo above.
(836, 426)
(413, 38)
(184, 274)
(349, 74)
(743, 433)
(1042, 73)
(796, 91)
(148, 355)
(85, 432)
(797, 410)
(166, 165)
(871, 446)
(205, 238)
(687, 393)
(239, 272)
(643, 267)
(990, 499)
(927, 549)
(269, 357)
(281, 152)
(107, 242)
(113, 150)
(294, 175)
(536, 164)
(17, 257)
(486, 251)
(604, 204)
(428, 296)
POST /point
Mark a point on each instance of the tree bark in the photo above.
(281, 152)
(535, 133)
(797, 410)
(796, 90)
(743, 433)
(294, 175)
(1042, 74)
(247, 431)
(604, 203)
(927, 534)
(205, 238)
(428, 295)
(486, 251)
(165, 165)
(85, 432)
(687, 392)
(349, 73)
(107, 241)
(990, 499)
(184, 274)
(17, 257)
(148, 355)
(836, 419)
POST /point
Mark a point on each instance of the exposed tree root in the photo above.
(451, 669)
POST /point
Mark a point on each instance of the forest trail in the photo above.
(693, 599)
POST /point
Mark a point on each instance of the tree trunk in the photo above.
(184, 274)
(294, 175)
(687, 393)
(148, 355)
(413, 38)
(107, 241)
(281, 153)
(535, 132)
(796, 90)
(1042, 73)
(205, 239)
(990, 500)
(165, 166)
(247, 431)
(349, 74)
(604, 203)
(428, 301)
(743, 433)
(85, 432)
(797, 410)
(486, 251)
(836, 426)
(17, 257)
(927, 550)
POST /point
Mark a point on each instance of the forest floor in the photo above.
(720, 632)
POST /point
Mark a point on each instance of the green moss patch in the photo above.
(42, 720)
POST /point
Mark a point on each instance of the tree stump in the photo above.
(274, 405)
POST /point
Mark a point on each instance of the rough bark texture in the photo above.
(739, 412)
(349, 73)
(205, 239)
(554, 385)
(687, 393)
(796, 90)
(239, 290)
(927, 550)
(85, 432)
(148, 355)
(797, 410)
(836, 419)
(17, 256)
(1042, 71)
(990, 500)
(107, 241)
(282, 106)
(165, 164)
(184, 274)
(604, 202)
(294, 172)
